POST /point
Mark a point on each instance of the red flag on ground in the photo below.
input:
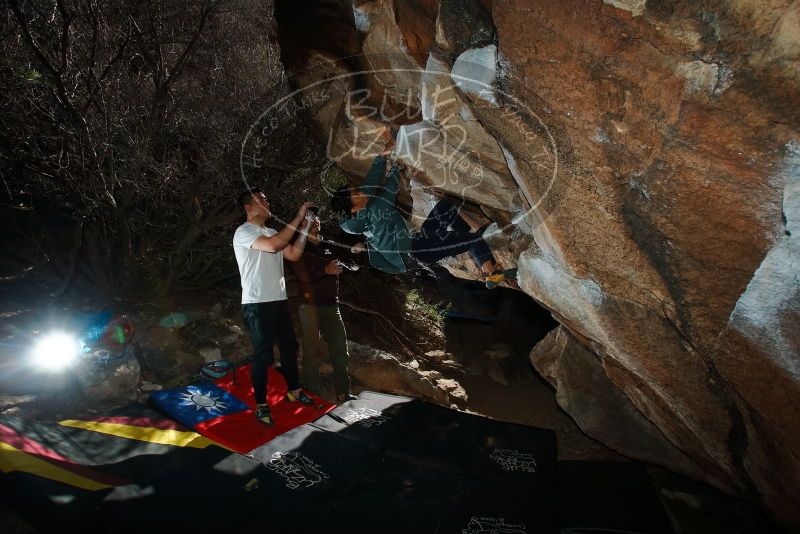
(224, 411)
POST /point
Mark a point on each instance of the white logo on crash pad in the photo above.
(297, 469)
(493, 525)
(514, 460)
(366, 417)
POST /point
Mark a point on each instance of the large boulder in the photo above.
(668, 217)
(600, 408)
(450, 150)
(646, 156)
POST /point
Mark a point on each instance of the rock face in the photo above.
(599, 407)
(385, 372)
(649, 153)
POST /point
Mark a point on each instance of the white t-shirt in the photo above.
(261, 272)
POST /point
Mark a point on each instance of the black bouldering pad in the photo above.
(374, 418)
(307, 464)
(48, 505)
(614, 496)
(438, 438)
(213, 495)
(517, 455)
(392, 497)
(159, 495)
(488, 507)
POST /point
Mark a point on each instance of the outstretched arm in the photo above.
(392, 185)
(374, 176)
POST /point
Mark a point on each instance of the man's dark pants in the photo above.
(444, 234)
(267, 321)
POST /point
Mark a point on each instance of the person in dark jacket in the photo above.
(318, 272)
(370, 210)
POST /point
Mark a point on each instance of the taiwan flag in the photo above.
(224, 410)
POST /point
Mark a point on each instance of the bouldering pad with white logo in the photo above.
(516, 454)
(374, 418)
(306, 464)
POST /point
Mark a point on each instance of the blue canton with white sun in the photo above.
(203, 400)
(198, 403)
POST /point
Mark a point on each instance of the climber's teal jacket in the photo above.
(388, 235)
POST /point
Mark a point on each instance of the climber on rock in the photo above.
(370, 210)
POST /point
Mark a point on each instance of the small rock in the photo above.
(210, 354)
(414, 364)
(105, 376)
(499, 351)
(203, 331)
(437, 355)
(236, 329)
(230, 340)
(455, 391)
(147, 387)
(215, 312)
(447, 384)
(9, 401)
(431, 375)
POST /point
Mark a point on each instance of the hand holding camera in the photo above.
(312, 213)
(306, 216)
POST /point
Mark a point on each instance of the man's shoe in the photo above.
(344, 398)
(301, 397)
(264, 415)
(493, 280)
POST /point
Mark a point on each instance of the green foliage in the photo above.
(417, 303)
(29, 75)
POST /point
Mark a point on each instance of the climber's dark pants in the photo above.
(267, 321)
(444, 233)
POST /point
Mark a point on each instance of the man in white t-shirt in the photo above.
(265, 308)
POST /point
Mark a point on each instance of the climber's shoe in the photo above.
(301, 397)
(493, 280)
(264, 415)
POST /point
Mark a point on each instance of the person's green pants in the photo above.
(325, 320)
